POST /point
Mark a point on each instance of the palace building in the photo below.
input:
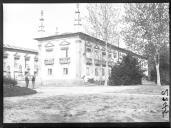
(17, 61)
(73, 56)
(66, 57)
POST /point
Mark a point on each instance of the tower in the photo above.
(41, 33)
(77, 21)
(41, 28)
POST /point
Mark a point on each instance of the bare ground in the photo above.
(87, 104)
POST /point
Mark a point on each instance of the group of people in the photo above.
(33, 78)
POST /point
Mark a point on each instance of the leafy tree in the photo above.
(127, 72)
(103, 19)
(148, 30)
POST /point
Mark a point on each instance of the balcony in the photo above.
(88, 61)
(65, 60)
(49, 61)
(97, 62)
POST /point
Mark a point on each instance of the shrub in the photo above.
(9, 81)
(128, 72)
(91, 80)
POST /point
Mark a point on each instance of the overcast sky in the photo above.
(21, 21)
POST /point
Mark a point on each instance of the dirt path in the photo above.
(90, 104)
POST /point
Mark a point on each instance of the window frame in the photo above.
(49, 71)
(65, 71)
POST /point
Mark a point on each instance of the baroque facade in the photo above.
(73, 56)
(70, 56)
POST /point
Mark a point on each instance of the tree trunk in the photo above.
(157, 63)
(158, 74)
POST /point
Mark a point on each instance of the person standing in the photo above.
(33, 80)
(27, 80)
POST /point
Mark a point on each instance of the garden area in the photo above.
(10, 88)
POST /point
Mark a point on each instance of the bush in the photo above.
(98, 82)
(91, 80)
(128, 72)
(9, 81)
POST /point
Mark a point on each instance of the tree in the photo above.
(102, 19)
(128, 72)
(148, 30)
(164, 67)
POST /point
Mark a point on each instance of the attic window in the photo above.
(35, 58)
(16, 56)
(96, 47)
(27, 58)
(49, 47)
(88, 44)
(63, 43)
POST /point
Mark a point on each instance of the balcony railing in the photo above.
(97, 62)
(49, 61)
(65, 60)
(88, 61)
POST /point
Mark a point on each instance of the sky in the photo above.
(21, 21)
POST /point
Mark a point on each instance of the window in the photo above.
(64, 52)
(109, 55)
(114, 55)
(20, 68)
(15, 64)
(87, 71)
(96, 54)
(8, 68)
(103, 53)
(65, 71)
(49, 71)
(88, 49)
(96, 71)
(103, 72)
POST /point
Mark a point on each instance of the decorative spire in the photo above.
(41, 26)
(78, 18)
(56, 30)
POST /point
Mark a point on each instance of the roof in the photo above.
(16, 48)
(90, 38)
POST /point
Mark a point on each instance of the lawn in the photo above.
(87, 104)
(11, 91)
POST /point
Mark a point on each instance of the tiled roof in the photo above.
(12, 47)
(90, 38)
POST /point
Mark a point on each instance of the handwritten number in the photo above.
(165, 99)
(163, 92)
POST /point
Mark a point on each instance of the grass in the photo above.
(16, 91)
